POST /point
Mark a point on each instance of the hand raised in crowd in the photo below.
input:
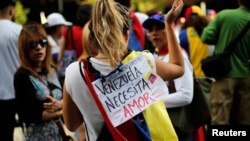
(174, 12)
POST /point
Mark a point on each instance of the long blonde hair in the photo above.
(109, 26)
(88, 49)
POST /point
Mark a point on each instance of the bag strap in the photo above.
(171, 86)
(115, 133)
(232, 45)
(61, 130)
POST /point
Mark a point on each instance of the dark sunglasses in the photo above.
(42, 42)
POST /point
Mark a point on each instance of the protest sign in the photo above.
(129, 90)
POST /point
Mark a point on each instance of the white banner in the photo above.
(129, 90)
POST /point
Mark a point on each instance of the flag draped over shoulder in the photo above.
(133, 112)
(156, 116)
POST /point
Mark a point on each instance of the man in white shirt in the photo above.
(9, 33)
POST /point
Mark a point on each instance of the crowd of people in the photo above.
(156, 69)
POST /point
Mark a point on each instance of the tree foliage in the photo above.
(148, 5)
(21, 13)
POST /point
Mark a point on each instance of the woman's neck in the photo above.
(38, 69)
(101, 56)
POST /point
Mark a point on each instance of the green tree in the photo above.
(147, 5)
(21, 13)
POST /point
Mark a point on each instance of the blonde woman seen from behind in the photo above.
(109, 36)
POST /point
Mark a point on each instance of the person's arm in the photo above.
(53, 104)
(53, 108)
(175, 67)
(81, 133)
(71, 114)
(46, 115)
(184, 88)
(32, 109)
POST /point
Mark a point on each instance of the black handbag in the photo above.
(217, 66)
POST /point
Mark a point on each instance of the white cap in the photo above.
(56, 19)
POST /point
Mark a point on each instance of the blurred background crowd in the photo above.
(66, 24)
(29, 10)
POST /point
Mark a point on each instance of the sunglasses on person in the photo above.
(42, 42)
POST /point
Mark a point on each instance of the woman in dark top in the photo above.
(38, 91)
